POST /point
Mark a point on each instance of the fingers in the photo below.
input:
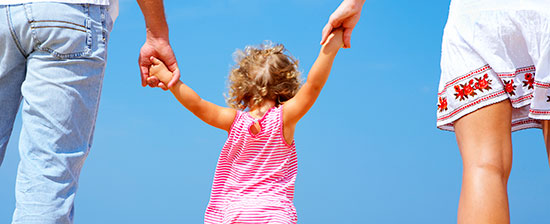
(347, 37)
(162, 86)
(155, 61)
(334, 21)
(326, 31)
(144, 69)
(153, 81)
(175, 77)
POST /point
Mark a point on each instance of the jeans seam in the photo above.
(13, 34)
(87, 26)
(63, 27)
(103, 25)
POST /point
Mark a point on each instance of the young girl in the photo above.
(256, 171)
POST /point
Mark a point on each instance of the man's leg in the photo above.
(60, 100)
(12, 73)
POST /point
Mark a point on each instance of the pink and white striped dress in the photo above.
(255, 175)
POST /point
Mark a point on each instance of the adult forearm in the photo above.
(357, 2)
(155, 20)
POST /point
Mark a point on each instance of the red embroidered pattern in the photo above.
(509, 87)
(485, 98)
(480, 70)
(530, 68)
(463, 91)
(442, 106)
(478, 86)
(518, 124)
(521, 99)
(529, 80)
(542, 84)
(539, 111)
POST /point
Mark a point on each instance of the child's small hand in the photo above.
(159, 70)
(335, 40)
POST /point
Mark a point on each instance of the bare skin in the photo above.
(157, 44)
(546, 135)
(293, 111)
(258, 112)
(485, 143)
(345, 17)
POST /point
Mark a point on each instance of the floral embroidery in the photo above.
(483, 83)
(442, 106)
(530, 80)
(463, 91)
(509, 87)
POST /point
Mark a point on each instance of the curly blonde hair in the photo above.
(262, 73)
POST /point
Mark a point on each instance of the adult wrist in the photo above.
(157, 34)
(356, 4)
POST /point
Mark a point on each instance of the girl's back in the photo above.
(255, 175)
(256, 171)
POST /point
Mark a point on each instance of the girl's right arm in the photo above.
(212, 114)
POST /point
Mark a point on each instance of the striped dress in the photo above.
(255, 175)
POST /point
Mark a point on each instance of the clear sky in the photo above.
(368, 151)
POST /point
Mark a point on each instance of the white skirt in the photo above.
(492, 56)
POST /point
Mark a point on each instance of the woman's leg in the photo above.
(484, 140)
(546, 133)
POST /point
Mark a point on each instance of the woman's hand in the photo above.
(334, 41)
(346, 16)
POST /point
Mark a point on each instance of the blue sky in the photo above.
(368, 150)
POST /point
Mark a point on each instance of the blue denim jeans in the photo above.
(52, 60)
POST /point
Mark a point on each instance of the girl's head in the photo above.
(262, 73)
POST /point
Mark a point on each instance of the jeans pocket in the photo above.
(61, 29)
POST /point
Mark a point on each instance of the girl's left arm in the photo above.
(300, 104)
(295, 108)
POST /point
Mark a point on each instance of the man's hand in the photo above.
(159, 49)
(346, 16)
(159, 70)
(156, 44)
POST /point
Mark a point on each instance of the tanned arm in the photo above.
(156, 44)
(212, 114)
(295, 108)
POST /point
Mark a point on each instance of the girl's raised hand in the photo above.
(335, 41)
(159, 70)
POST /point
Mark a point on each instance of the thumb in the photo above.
(326, 31)
(347, 37)
(334, 21)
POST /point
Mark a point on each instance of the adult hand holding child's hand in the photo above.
(345, 16)
(163, 50)
(334, 42)
(159, 70)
